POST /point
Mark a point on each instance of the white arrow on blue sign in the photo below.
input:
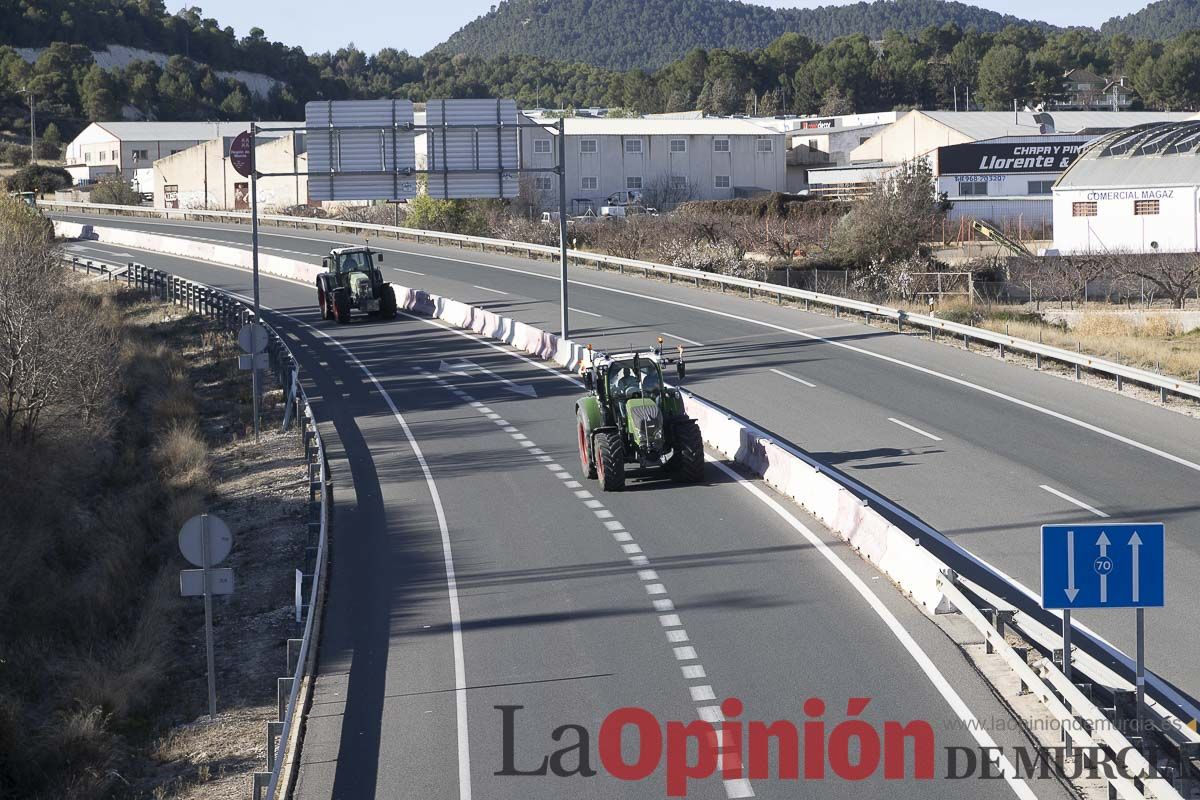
(1103, 565)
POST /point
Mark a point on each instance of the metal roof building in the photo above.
(662, 162)
(124, 147)
(1135, 190)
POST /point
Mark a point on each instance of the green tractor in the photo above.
(351, 280)
(630, 416)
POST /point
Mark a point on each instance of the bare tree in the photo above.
(55, 353)
(1066, 278)
(666, 192)
(1176, 275)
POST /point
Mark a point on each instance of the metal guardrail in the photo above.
(294, 689)
(968, 333)
(1079, 716)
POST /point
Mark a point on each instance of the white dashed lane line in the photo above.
(1074, 501)
(683, 339)
(783, 374)
(676, 635)
(915, 429)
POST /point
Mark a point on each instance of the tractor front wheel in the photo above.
(387, 301)
(688, 462)
(585, 450)
(610, 461)
(341, 306)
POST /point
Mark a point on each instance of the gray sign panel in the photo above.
(472, 148)
(360, 150)
(191, 581)
(252, 338)
(191, 540)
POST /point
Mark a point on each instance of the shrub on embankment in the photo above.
(101, 463)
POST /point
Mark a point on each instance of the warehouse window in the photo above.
(678, 182)
(972, 189)
(541, 146)
(587, 146)
(633, 183)
(589, 183)
(721, 181)
(679, 145)
(1085, 208)
(765, 145)
(1145, 208)
(720, 145)
(87, 157)
(1040, 187)
(544, 183)
(633, 146)
(141, 153)
(114, 156)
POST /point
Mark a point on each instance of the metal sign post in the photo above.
(205, 541)
(254, 255)
(562, 224)
(242, 157)
(1105, 566)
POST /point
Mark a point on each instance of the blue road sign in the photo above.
(1102, 565)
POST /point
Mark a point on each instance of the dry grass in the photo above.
(89, 609)
(1152, 346)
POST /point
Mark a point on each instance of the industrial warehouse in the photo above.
(1134, 191)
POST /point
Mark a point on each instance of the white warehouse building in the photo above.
(104, 148)
(667, 161)
(1135, 191)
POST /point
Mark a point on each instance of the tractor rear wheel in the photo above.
(341, 306)
(387, 301)
(322, 300)
(687, 465)
(585, 451)
(610, 461)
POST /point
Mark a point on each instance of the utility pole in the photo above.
(32, 125)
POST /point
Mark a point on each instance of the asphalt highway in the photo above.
(986, 452)
(475, 567)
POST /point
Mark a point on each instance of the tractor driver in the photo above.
(353, 262)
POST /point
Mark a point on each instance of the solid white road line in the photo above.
(915, 429)
(581, 311)
(682, 338)
(783, 374)
(460, 668)
(486, 289)
(897, 628)
(1073, 501)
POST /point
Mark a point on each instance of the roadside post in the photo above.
(205, 541)
(562, 226)
(1100, 565)
(252, 338)
(241, 157)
